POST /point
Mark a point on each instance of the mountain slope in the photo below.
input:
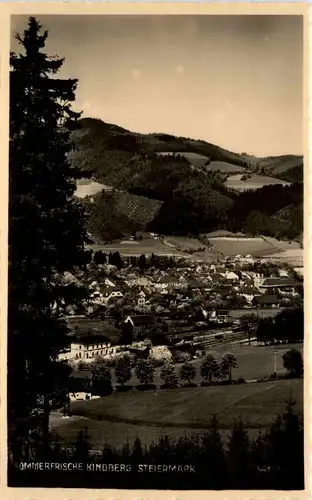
(178, 185)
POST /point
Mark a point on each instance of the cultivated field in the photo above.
(147, 246)
(220, 245)
(242, 246)
(173, 412)
(293, 257)
(183, 243)
(254, 182)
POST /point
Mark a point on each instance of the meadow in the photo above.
(242, 246)
(254, 182)
(175, 412)
(151, 414)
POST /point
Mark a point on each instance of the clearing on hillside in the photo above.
(253, 182)
(194, 158)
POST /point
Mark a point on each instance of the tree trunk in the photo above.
(46, 418)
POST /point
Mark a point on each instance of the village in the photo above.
(171, 309)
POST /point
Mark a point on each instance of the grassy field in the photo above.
(255, 182)
(183, 243)
(147, 246)
(173, 412)
(242, 246)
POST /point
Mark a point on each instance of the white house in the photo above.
(114, 295)
(230, 275)
(87, 349)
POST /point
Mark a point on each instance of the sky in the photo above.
(234, 81)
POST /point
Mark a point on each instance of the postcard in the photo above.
(155, 163)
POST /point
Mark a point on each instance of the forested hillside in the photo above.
(176, 185)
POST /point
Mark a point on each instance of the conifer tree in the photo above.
(213, 456)
(239, 456)
(46, 227)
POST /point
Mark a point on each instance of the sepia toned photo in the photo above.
(155, 335)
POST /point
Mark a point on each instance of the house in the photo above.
(141, 299)
(140, 320)
(248, 293)
(265, 301)
(220, 316)
(280, 284)
(79, 386)
(87, 348)
(141, 351)
(140, 323)
(196, 285)
(230, 275)
(116, 294)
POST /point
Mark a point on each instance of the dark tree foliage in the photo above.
(187, 372)
(101, 378)
(142, 262)
(239, 454)
(46, 228)
(273, 460)
(213, 453)
(287, 326)
(292, 361)
(123, 370)
(144, 371)
(169, 375)
(209, 368)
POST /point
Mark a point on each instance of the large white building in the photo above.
(87, 349)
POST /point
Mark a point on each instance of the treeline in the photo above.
(142, 262)
(274, 459)
(256, 212)
(144, 370)
(287, 326)
(201, 209)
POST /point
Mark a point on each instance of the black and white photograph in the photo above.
(155, 335)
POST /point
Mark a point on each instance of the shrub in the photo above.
(241, 380)
(292, 361)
